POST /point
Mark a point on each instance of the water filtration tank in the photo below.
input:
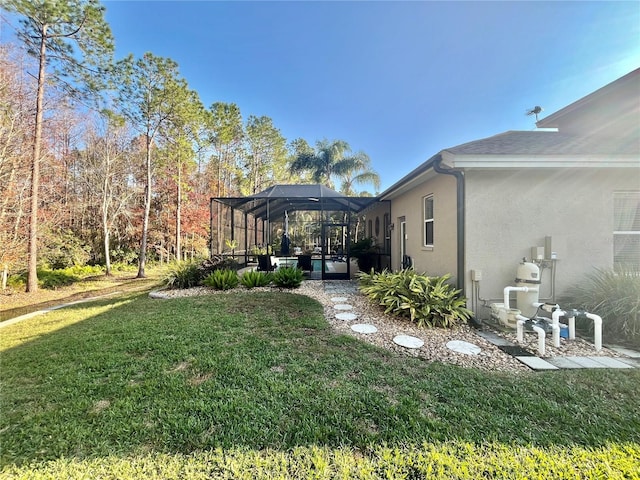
(528, 275)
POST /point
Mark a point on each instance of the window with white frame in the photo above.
(626, 230)
(428, 221)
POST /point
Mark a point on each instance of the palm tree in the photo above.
(357, 170)
(331, 159)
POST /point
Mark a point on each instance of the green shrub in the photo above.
(288, 277)
(365, 251)
(217, 262)
(183, 275)
(54, 279)
(225, 279)
(84, 270)
(429, 301)
(123, 256)
(252, 279)
(188, 274)
(613, 295)
(63, 249)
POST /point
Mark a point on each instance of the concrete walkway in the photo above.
(632, 359)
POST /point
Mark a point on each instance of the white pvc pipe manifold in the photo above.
(597, 330)
(540, 331)
(508, 290)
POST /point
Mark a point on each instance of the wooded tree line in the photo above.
(106, 160)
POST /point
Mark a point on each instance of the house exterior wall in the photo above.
(509, 211)
(441, 258)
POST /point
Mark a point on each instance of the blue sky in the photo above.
(397, 80)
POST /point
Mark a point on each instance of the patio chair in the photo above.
(305, 263)
(266, 263)
(339, 256)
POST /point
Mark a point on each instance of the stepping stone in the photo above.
(408, 341)
(536, 363)
(563, 362)
(364, 328)
(339, 299)
(460, 346)
(633, 362)
(343, 306)
(610, 362)
(347, 317)
(586, 362)
(495, 339)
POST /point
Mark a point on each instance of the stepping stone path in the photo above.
(342, 288)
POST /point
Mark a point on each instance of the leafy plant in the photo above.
(231, 244)
(183, 275)
(54, 279)
(288, 277)
(429, 301)
(224, 279)
(365, 251)
(613, 295)
(252, 279)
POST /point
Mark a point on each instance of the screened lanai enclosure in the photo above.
(288, 224)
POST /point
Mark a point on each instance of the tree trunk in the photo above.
(142, 259)
(32, 276)
(5, 276)
(179, 214)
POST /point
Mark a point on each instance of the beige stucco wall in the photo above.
(441, 258)
(509, 211)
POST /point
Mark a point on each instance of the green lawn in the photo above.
(256, 385)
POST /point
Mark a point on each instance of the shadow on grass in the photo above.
(258, 370)
(128, 284)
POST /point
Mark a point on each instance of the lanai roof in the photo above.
(272, 202)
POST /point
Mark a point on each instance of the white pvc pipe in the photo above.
(540, 331)
(572, 328)
(555, 332)
(520, 319)
(508, 290)
(541, 335)
(597, 330)
(555, 317)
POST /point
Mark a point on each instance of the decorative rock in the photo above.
(342, 306)
(347, 317)
(460, 346)
(364, 328)
(339, 299)
(157, 294)
(408, 341)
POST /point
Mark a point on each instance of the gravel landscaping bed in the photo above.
(435, 339)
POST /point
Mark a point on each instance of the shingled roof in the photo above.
(547, 143)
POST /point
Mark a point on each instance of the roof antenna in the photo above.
(535, 111)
